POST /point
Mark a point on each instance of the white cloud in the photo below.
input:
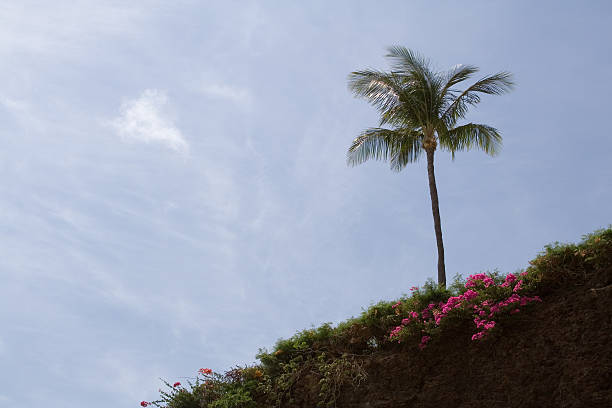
(145, 119)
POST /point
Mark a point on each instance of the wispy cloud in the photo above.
(146, 119)
(21, 112)
(64, 27)
(234, 94)
(12, 105)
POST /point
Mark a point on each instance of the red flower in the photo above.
(176, 384)
(144, 403)
(205, 371)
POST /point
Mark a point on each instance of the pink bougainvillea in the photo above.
(395, 332)
(424, 341)
(475, 300)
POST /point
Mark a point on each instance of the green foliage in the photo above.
(560, 264)
(337, 373)
(184, 399)
(235, 397)
(180, 397)
(457, 286)
(233, 389)
(431, 292)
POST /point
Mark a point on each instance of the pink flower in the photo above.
(518, 286)
(515, 311)
(438, 317)
(144, 403)
(470, 294)
(424, 341)
(414, 288)
(176, 384)
(489, 325)
(405, 321)
(472, 280)
(523, 273)
(395, 332)
(396, 305)
(478, 335)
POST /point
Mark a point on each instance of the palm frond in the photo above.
(381, 89)
(465, 137)
(398, 146)
(410, 150)
(406, 61)
(492, 85)
(410, 110)
(454, 76)
(459, 73)
(425, 86)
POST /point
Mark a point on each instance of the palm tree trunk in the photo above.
(433, 192)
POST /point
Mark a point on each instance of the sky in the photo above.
(174, 191)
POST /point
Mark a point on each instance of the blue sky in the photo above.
(173, 185)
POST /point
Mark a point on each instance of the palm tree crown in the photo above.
(421, 109)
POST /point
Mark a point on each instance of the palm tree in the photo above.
(421, 109)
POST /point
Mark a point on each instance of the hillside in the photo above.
(543, 339)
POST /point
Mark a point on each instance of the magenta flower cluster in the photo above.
(474, 299)
(424, 341)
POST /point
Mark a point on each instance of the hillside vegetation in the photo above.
(538, 338)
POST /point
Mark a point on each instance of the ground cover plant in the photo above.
(322, 363)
